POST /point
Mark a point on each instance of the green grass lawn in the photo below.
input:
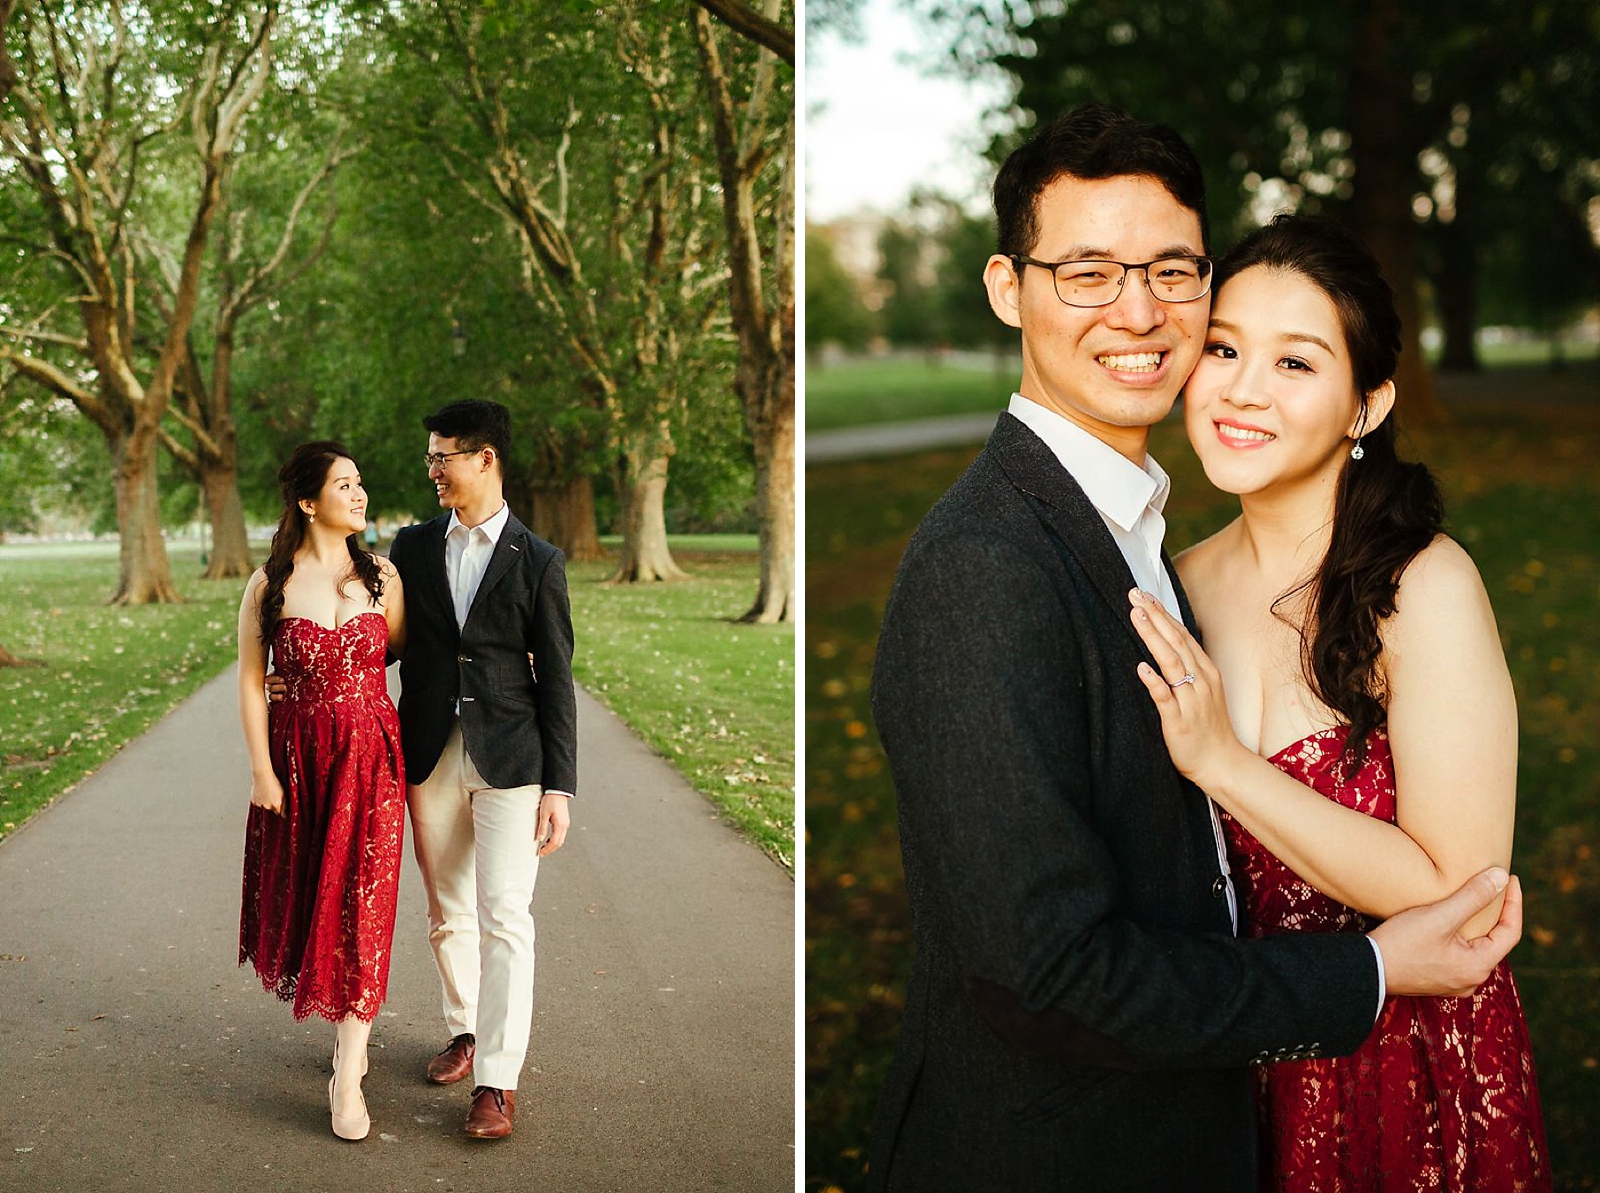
(857, 392)
(714, 698)
(1524, 498)
(877, 391)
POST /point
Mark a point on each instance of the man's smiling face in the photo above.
(1114, 370)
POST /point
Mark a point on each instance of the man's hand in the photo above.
(554, 817)
(277, 688)
(1424, 951)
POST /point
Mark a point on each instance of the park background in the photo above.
(229, 227)
(1463, 141)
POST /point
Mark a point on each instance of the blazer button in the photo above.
(1219, 887)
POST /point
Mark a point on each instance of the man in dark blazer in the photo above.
(1081, 1014)
(490, 746)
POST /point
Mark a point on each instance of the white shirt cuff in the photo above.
(1383, 988)
(568, 794)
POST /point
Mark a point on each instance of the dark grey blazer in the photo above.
(519, 726)
(1079, 1016)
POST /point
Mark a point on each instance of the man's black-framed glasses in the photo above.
(437, 459)
(1099, 283)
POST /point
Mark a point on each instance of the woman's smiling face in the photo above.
(1273, 400)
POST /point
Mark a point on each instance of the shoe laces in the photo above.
(499, 1096)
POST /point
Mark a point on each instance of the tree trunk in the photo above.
(1382, 147)
(563, 514)
(146, 573)
(645, 557)
(764, 376)
(1458, 310)
(1457, 289)
(774, 444)
(230, 542)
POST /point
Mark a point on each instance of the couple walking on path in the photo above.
(483, 752)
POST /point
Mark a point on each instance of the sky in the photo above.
(879, 120)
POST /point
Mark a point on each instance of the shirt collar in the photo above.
(1114, 484)
(492, 528)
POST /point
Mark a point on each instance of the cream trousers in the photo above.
(477, 849)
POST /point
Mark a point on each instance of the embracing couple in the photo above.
(1194, 918)
(483, 752)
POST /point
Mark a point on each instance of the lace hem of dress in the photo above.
(286, 988)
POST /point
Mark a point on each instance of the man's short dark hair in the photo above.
(474, 424)
(1093, 141)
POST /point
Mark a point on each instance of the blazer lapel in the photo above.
(506, 552)
(1033, 468)
(433, 558)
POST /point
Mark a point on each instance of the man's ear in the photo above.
(1004, 285)
(1377, 406)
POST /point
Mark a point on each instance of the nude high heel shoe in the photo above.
(351, 1127)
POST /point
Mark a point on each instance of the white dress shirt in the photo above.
(1129, 499)
(466, 557)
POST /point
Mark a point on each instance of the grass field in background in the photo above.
(865, 390)
(714, 698)
(1524, 497)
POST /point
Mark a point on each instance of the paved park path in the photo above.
(135, 1054)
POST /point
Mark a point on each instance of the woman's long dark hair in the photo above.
(301, 479)
(1386, 509)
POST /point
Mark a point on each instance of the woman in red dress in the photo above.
(1351, 714)
(327, 793)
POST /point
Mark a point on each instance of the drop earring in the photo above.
(1357, 451)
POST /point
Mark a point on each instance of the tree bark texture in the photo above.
(1384, 147)
(146, 572)
(562, 513)
(645, 556)
(763, 324)
(775, 492)
(758, 27)
(230, 542)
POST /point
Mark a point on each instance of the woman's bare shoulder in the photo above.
(1441, 578)
(1199, 564)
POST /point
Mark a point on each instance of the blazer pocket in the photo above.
(1075, 1094)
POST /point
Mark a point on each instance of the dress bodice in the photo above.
(1441, 1097)
(330, 666)
(1275, 898)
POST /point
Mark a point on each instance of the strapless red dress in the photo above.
(1442, 1094)
(321, 880)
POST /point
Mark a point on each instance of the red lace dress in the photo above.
(321, 880)
(1442, 1094)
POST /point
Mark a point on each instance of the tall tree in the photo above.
(93, 95)
(596, 180)
(243, 277)
(755, 152)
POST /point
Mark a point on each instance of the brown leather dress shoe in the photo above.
(455, 1062)
(490, 1116)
